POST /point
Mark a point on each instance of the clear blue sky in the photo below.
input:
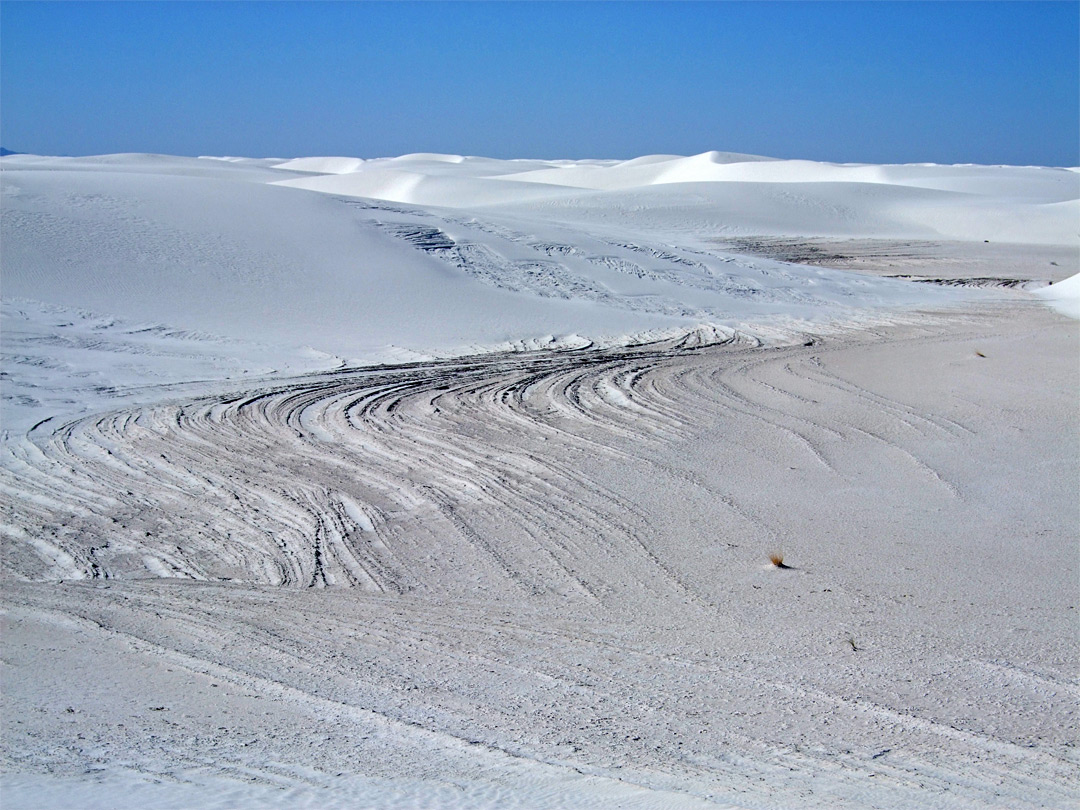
(869, 82)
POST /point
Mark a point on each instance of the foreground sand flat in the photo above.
(560, 586)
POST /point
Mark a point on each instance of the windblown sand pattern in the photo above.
(516, 602)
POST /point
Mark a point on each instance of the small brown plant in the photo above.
(777, 559)
(979, 354)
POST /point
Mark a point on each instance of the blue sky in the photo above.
(868, 82)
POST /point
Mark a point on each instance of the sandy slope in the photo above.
(239, 572)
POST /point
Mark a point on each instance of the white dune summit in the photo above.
(451, 481)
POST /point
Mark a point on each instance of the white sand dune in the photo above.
(450, 481)
(1064, 296)
(223, 248)
(1011, 204)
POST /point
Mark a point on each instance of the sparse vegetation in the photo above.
(777, 559)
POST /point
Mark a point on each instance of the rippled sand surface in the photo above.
(543, 580)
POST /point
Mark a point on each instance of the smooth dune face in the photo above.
(1064, 296)
(446, 480)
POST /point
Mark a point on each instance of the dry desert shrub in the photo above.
(777, 559)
